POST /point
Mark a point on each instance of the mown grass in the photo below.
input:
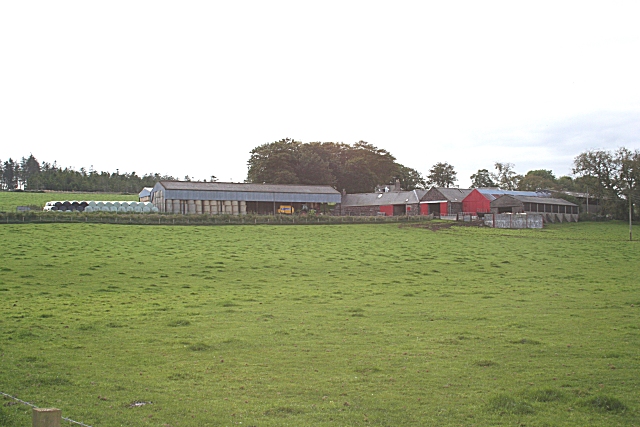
(315, 326)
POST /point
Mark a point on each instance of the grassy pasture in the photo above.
(347, 325)
(9, 200)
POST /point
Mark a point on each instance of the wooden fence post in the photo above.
(47, 417)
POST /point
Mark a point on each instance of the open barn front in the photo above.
(239, 199)
(273, 208)
(399, 210)
(551, 209)
(436, 208)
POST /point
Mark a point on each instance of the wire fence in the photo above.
(203, 220)
(34, 406)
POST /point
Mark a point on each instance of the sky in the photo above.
(190, 88)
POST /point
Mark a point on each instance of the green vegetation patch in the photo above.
(350, 325)
(606, 403)
(508, 405)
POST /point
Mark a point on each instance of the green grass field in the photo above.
(9, 200)
(354, 325)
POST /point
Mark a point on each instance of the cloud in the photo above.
(555, 145)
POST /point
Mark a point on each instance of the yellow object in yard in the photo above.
(285, 209)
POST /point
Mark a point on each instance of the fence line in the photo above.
(36, 407)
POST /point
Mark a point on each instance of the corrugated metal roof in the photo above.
(493, 193)
(454, 194)
(242, 187)
(146, 191)
(382, 199)
(579, 195)
(545, 200)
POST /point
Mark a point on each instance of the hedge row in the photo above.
(177, 219)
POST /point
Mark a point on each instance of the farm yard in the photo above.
(346, 325)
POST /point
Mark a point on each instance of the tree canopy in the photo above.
(482, 179)
(539, 179)
(505, 176)
(442, 175)
(614, 177)
(356, 168)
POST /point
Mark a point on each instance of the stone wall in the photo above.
(514, 220)
(359, 210)
(371, 210)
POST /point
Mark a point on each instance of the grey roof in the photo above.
(494, 193)
(454, 194)
(579, 195)
(242, 187)
(545, 200)
(382, 199)
(146, 191)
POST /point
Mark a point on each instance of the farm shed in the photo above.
(439, 201)
(387, 203)
(145, 194)
(588, 202)
(237, 198)
(552, 210)
(479, 200)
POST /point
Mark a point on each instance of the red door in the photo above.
(388, 210)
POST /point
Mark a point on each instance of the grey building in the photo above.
(387, 203)
(552, 210)
(238, 198)
(439, 201)
(587, 202)
(145, 194)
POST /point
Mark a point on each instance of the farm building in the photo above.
(145, 194)
(552, 210)
(479, 200)
(439, 201)
(238, 198)
(587, 202)
(388, 203)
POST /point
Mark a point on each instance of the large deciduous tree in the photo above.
(539, 179)
(274, 163)
(505, 176)
(482, 179)
(356, 168)
(614, 177)
(442, 175)
(410, 179)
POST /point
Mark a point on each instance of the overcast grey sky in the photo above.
(191, 87)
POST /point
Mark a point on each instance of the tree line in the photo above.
(31, 175)
(610, 176)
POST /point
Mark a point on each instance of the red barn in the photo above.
(443, 201)
(476, 202)
(479, 200)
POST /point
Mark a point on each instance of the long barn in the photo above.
(238, 198)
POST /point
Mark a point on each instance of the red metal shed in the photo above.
(476, 202)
